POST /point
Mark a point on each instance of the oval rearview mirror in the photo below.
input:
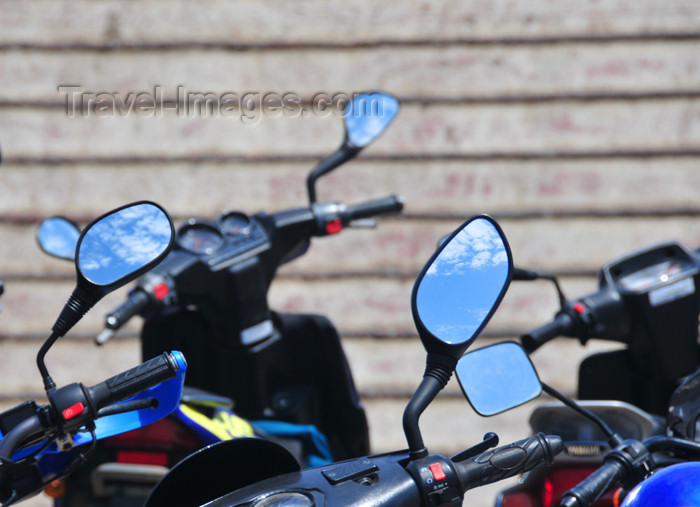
(461, 286)
(367, 116)
(58, 236)
(497, 378)
(119, 246)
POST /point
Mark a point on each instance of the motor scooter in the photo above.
(285, 375)
(659, 470)
(647, 302)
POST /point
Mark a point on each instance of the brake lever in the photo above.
(490, 440)
(127, 406)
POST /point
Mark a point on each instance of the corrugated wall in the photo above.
(575, 123)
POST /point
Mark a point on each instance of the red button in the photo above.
(73, 411)
(579, 308)
(161, 291)
(334, 226)
(437, 472)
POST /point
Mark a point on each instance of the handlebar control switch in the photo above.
(635, 458)
(437, 480)
(328, 218)
(72, 406)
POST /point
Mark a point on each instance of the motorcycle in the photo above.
(630, 463)
(659, 470)
(646, 301)
(287, 373)
(473, 264)
(41, 443)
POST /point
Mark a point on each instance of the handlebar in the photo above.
(386, 205)
(508, 461)
(601, 314)
(275, 237)
(75, 406)
(131, 382)
(14, 438)
(396, 479)
(626, 465)
(562, 325)
(588, 491)
(137, 302)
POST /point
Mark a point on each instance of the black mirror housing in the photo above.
(460, 287)
(111, 253)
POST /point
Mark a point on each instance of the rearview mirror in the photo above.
(58, 236)
(116, 248)
(461, 286)
(112, 250)
(497, 378)
(367, 116)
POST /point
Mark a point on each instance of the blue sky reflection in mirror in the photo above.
(497, 378)
(121, 243)
(58, 237)
(463, 283)
(368, 115)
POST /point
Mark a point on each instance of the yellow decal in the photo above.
(224, 424)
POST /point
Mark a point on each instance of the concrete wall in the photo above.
(575, 123)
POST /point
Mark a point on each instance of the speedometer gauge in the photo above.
(655, 275)
(199, 237)
(234, 223)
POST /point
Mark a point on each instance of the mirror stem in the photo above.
(49, 384)
(78, 304)
(434, 380)
(344, 153)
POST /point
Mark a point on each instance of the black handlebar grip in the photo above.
(131, 382)
(391, 204)
(508, 461)
(562, 324)
(588, 491)
(137, 302)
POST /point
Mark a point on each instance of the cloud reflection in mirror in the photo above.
(463, 283)
(58, 236)
(123, 242)
(368, 115)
